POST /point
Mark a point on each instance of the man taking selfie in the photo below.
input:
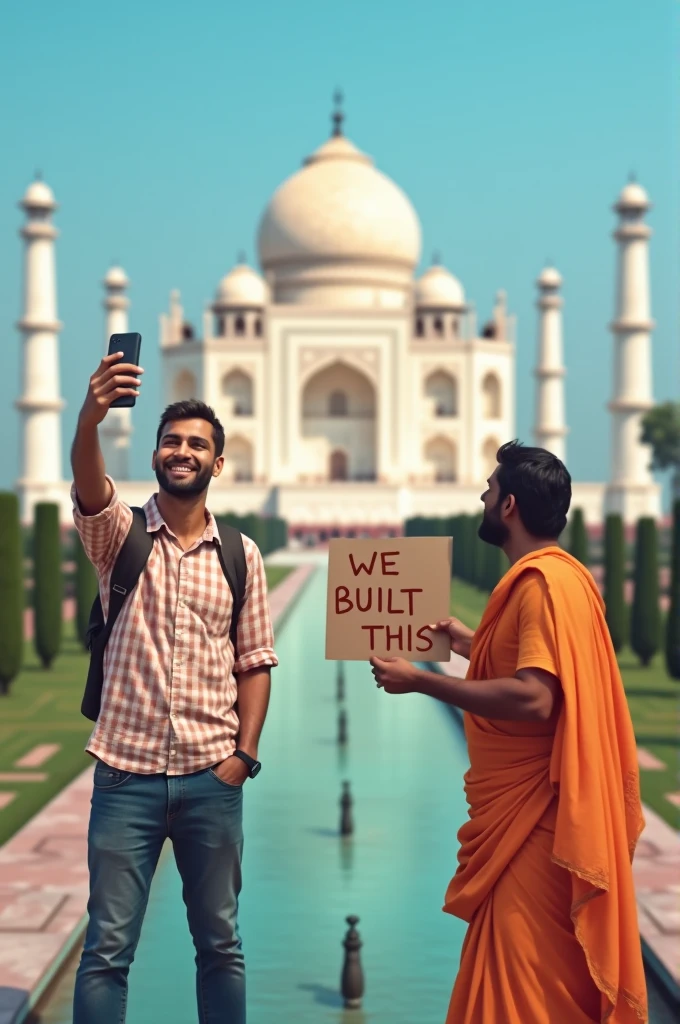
(173, 751)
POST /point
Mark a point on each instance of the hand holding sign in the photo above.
(383, 593)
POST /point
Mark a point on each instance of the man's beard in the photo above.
(196, 482)
(492, 529)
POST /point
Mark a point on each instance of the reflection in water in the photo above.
(346, 847)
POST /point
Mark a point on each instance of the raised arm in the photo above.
(111, 380)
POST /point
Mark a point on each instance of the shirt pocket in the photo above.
(214, 604)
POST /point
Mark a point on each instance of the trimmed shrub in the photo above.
(466, 562)
(645, 623)
(614, 580)
(86, 588)
(11, 591)
(479, 555)
(673, 621)
(578, 537)
(495, 568)
(48, 589)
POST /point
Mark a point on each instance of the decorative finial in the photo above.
(436, 258)
(241, 256)
(38, 176)
(632, 178)
(338, 116)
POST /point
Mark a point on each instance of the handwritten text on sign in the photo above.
(383, 593)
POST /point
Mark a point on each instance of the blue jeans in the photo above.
(131, 817)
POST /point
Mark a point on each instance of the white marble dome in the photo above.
(38, 195)
(439, 289)
(241, 287)
(339, 205)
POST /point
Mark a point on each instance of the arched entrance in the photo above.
(339, 466)
(237, 386)
(441, 455)
(338, 425)
(238, 456)
(442, 390)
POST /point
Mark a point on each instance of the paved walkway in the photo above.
(656, 869)
(43, 874)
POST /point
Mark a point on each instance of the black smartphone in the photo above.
(129, 345)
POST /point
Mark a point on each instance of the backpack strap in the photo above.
(128, 567)
(131, 560)
(232, 556)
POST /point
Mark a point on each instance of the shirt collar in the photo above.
(154, 522)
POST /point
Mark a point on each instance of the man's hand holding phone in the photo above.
(110, 381)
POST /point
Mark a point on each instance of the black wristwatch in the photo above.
(252, 765)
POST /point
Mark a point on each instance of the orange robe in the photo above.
(544, 877)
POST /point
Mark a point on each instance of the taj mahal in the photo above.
(353, 393)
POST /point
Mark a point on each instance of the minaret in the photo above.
(40, 404)
(550, 430)
(632, 490)
(116, 429)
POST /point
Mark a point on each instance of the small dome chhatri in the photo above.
(38, 196)
(549, 278)
(241, 287)
(632, 197)
(439, 289)
(116, 277)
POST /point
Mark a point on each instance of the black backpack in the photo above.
(131, 560)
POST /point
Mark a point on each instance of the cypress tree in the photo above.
(645, 623)
(614, 579)
(496, 566)
(578, 538)
(86, 588)
(456, 533)
(11, 591)
(479, 562)
(673, 620)
(468, 548)
(47, 582)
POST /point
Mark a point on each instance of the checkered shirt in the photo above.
(169, 673)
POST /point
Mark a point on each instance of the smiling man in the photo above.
(172, 750)
(544, 876)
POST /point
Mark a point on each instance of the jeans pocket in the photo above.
(106, 777)
(227, 785)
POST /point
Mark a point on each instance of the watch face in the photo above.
(255, 769)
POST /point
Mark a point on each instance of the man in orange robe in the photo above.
(544, 876)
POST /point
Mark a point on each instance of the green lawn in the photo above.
(276, 574)
(43, 706)
(653, 699)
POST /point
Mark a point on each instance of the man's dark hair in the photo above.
(192, 409)
(540, 484)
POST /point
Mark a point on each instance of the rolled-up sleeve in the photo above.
(254, 633)
(102, 535)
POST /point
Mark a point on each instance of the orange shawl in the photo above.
(591, 765)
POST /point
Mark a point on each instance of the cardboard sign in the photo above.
(383, 593)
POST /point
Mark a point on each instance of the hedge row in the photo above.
(269, 532)
(475, 562)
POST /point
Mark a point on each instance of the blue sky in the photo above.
(163, 128)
